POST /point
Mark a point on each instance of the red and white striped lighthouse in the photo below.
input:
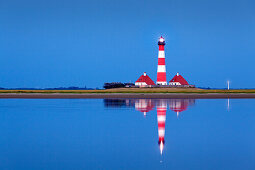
(161, 116)
(161, 72)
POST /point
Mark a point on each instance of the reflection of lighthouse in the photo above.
(161, 116)
(144, 105)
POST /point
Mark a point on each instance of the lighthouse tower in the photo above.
(161, 73)
(161, 116)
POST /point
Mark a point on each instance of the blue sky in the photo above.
(86, 43)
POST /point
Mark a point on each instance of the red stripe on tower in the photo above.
(161, 72)
(161, 116)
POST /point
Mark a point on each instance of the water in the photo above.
(127, 134)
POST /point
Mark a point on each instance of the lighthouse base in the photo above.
(161, 83)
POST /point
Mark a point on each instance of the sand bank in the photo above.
(126, 95)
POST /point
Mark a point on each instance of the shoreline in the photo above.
(127, 95)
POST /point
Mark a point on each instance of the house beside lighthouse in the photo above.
(144, 80)
(178, 80)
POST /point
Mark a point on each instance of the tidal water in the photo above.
(127, 134)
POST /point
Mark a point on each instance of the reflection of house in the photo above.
(178, 80)
(179, 105)
(144, 80)
(144, 105)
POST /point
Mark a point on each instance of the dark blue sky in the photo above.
(76, 43)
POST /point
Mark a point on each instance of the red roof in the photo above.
(145, 109)
(180, 79)
(146, 79)
(149, 108)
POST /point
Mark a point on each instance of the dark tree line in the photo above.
(117, 85)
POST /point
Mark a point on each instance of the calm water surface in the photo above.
(127, 134)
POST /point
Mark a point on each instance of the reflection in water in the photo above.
(146, 105)
(118, 103)
(180, 105)
(228, 105)
(161, 116)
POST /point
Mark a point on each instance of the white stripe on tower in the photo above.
(161, 68)
(161, 72)
(161, 54)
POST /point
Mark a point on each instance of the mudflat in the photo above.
(125, 95)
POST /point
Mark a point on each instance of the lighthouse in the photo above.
(161, 72)
(161, 116)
